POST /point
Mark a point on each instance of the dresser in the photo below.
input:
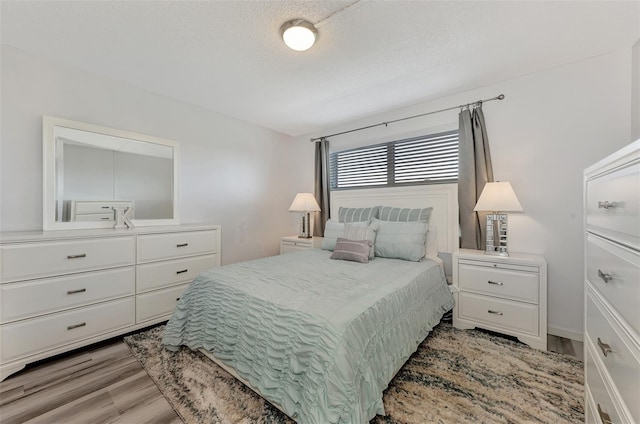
(612, 288)
(60, 290)
(294, 243)
(503, 294)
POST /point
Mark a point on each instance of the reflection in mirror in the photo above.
(92, 170)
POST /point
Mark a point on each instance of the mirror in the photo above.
(90, 170)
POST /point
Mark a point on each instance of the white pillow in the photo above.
(361, 231)
(401, 240)
(332, 230)
(431, 245)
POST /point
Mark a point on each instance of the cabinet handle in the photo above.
(606, 205)
(495, 312)
(182, 272)
(182, 245)
(606, 418)
(71, 327)
(604, 277)
(106, 219)
(604, 347)
(82, 255)
(497, 283)
(76, 291)
(106, 207)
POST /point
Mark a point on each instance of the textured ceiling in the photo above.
(374, 56)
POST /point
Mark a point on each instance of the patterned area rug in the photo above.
(455, 376)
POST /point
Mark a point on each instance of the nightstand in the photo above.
(503, 294)
(294, 243)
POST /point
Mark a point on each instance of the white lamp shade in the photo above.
(304, 202)
(498, 197)
(298, 34)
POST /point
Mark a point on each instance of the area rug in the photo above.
(455, 376)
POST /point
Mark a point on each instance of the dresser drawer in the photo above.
(24, 338)
(97, 207)
(502, 282)
(613, 205)
(25, 261)
(506, 314)
(622, 360)
(32, 298)
(615, 271)
(597, 390)
(95, 217)
(158, 303)
(152, 247)
(156, 275)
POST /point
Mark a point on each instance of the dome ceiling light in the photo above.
(299, 34)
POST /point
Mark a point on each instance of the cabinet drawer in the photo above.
(152, 247)
(24, 338)
(597, 389)
(158, 303)
(615, 271)
(25, 261)
(618, 218)
(507, 283)
(95, 217)
(32, 298)
(507, 314)
(622, 362)
(88, 207)
(160, 274)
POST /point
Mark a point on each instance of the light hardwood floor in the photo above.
(104, 383)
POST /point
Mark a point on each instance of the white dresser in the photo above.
(503, 294)
(612, 288)
(60, 290)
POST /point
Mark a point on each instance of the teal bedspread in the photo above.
(321, 338)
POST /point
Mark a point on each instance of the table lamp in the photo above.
(497, 198)
(305, 203)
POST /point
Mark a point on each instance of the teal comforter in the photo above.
(321, 338)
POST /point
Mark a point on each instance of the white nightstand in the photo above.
(294, 243)
(503, 294)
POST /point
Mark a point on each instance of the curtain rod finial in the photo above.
(500, 97)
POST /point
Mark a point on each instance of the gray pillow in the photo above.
(401, 240)
(387, 213)
(352, 250)
(361, 231)
(332, 230)
(357, 214)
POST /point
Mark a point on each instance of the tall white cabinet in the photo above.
(60, 290)
(612, 288)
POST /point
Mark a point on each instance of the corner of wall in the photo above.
(635, 91)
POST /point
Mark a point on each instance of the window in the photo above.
(431, 159)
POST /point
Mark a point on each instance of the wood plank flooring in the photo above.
(104, 383)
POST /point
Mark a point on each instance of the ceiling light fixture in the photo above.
(299, 34)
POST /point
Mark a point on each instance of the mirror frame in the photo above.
(49, 168)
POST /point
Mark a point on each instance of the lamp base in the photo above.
(305, 226)
(497, 235)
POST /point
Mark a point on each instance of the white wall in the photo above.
(635, 91)
(551, 126)
(233, 173)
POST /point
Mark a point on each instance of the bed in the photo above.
(317, 337)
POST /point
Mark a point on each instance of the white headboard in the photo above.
(442, 197)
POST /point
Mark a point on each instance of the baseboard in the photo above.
(566, 333)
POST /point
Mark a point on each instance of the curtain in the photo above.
(321, 189)
(475, 171)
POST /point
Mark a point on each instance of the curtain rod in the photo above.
(324, 137)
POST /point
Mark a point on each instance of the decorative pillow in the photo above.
(357, 214)
(401, 240)
(332, 230)
(387, 213)
(361, 231)
(352, 250)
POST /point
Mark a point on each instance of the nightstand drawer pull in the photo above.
(604, 277)
(604, 347)
(76, 291)
(82, 255)
(71, 327)
(606, 205)
(182, 272)
(496, 283)
(495, 312)
(182, 245)
(606, 418)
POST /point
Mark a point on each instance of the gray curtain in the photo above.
(475, 171)
(321, 190)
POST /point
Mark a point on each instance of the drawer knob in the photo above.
(606, 205)
(496, 283)
(76, 291)
(604, 277)
(495, 312)
(71, 327)
(182, 271)
(177, 299)
(606, 419)
(82, 255)
(182, 244)
(604, 347)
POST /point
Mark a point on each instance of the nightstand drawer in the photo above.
(502, 313)
(502, 282)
